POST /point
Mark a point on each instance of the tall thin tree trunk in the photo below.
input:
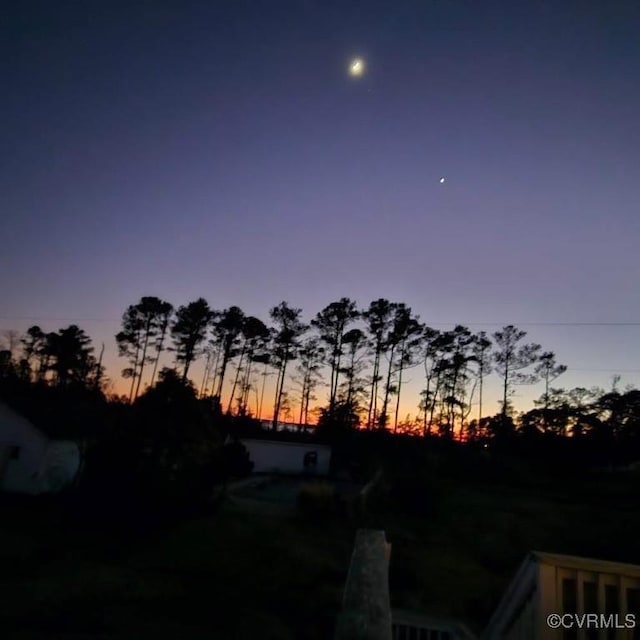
(279, 390)
(144, 355)
(246, 386)
(451, 413)
(334, 390)
(306, 406)
(352, 367)
(333, 372)
(480, 381)
(395, 422)
(187, 365)
(426, 428)
(374, 391)
(135, 371)
(432, 410)
(385, 405)
(259, 417)
(207, 366)
(158, 352)
(504, 396)
(264, 384)
(99, 368)
(546, 391)
(235, 380)
(302, 396)
(223, 370)
(546, 400)
(213, 373)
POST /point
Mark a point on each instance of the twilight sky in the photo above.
(221, 149)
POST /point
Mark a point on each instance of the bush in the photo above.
(318, 501)
(237, 463)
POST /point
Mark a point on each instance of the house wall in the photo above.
(285, 457)
(20, 474)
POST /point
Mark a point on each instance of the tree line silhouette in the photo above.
(361, 356)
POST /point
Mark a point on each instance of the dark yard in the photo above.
(248, 571)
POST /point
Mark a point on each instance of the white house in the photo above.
(30, 461)
(571, 587)
(288, 457)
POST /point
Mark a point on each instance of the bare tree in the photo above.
(430, 340)
(408, 332)
(548, 370)
(482, 356)
(355, 340)
(289, 329)
(311, 357)
(252, 330)
(164, 315)
(227, 328)
(378, 318)
(331, 324)
(511, 359)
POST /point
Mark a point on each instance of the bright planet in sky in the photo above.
(441, 180)
(356, 67)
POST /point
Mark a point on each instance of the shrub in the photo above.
(318, 501)
(237, 463)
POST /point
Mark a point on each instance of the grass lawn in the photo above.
(232, 575)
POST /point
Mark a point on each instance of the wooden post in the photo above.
(366, 606)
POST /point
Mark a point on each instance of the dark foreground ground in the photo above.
(248, 572)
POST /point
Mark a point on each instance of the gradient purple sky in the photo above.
(220, 149)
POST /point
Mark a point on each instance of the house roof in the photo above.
(289, 443)
(256, 432)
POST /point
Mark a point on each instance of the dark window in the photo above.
(611, 605)
(569, 595)
(569, 604)
(590, 590)
(590, 596)
(310, 460)
(611, 601)
(633, 606)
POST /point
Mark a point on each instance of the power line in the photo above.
(57, 319)
(545, 324)
(440, 324)
(603, 370)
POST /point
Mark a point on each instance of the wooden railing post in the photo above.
(366, 606)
